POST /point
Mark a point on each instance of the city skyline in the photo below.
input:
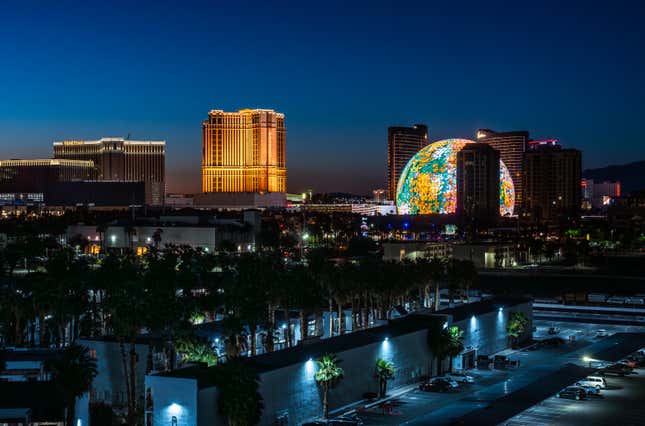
(338, 88)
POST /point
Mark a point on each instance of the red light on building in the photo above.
(541, 142)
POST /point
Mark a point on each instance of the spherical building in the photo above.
(428, 183)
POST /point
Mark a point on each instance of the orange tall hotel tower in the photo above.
(243, 159)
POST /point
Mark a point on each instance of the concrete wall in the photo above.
(294, 388)
(176, 397)
(109, 383)
(486, 333)
(207, 410)
(82, 410)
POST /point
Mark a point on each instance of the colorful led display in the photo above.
(428, 183)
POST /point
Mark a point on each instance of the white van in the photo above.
(594, 381)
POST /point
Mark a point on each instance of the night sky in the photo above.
(342, 72)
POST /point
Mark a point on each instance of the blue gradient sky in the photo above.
(341, 73)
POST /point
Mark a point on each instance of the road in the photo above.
(499, 395)
(620, 404)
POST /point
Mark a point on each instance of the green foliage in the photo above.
(516, 325)
(384, 369)
(455, 339)
(328, 372)
(193, 349)
(239, 400)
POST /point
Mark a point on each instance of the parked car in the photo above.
(595, 381)
(590, 390)
(460, 377)
(615, 370)
(628, 362)
(339, 421)
(637, 358)
(572, 392)
(436, 385)
(553, 330)
(453, 384)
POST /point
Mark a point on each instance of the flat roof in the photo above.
(44, 399)
(31, 354)
(396, 327)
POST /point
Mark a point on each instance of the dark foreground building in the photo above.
(122, 160)
(552, 181)
(287, 383)
(62, 182)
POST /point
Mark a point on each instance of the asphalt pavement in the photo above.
(499, 395)
(621, 404)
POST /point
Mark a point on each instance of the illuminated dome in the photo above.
(428, 183)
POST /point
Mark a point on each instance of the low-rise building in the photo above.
(198, 232)
(486, 255)
(413, 250)
(188, 396)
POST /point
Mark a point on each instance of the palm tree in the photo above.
(454, 277)
(328, 374)
(197, 350)
(469, 276)
(101, 228)
(156, 237)
(239, 398)
(73, 374)
(516, 326)
(437, 344)
(436, 268)
(455, 339)
(384, 372)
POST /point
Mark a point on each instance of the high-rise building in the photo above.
(244, 151)
(62, 182)
(551, 182)
(402, 144)
(117, 159)
(598, 195)
(378, 195)
(478, 182)
(511, 147)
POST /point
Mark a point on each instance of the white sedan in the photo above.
(460, 377)
(591, 390)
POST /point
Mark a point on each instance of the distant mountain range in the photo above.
(631, 176)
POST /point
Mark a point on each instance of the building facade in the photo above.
(185, 396)
(117, 159)
(402, 144)
(599, 195)
(511, 147)
(478, 182)
(244, 151)
(552, 181)
(30, 181)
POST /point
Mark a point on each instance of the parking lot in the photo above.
(499, 395)
(620, 404)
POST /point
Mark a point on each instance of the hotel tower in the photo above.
(244, 152)
(122, 160)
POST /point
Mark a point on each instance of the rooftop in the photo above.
(397, 327)
(44, 399)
